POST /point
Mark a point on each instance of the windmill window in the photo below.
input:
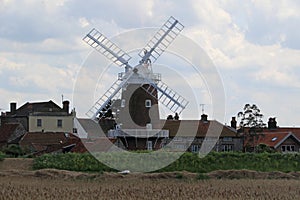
(148, 103)
(122, 103)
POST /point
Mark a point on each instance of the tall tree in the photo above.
(251, 123)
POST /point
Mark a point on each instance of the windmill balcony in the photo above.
(139, 133)
(156, 77)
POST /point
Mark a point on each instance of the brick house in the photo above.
(284, 142)
(41, 116)
(281, 139)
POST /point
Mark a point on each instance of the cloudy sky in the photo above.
(255, 46)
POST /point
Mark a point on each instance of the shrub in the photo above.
(2, 156)
(13, 150)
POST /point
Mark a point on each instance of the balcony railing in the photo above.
(139, 133)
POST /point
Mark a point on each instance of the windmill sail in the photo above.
(168, 97)
(102, 44)
(161, 40)
(104, 101)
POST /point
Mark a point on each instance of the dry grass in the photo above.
(55, 184)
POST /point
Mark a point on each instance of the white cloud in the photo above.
(253, 43)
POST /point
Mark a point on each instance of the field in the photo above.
(57, 184)
(18, 181)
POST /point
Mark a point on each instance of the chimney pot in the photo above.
(13, 107)
(272, 124)
(233, 122)
(66, 106)
(204, 117)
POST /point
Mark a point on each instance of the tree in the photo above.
(262, 148)
(251, 123)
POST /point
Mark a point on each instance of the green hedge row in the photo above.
(226, 161)
(187, 161)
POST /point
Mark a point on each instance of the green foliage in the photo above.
(70, 161)
(234, 160)
(263, 148)
(13, 150)
(251, 117)
(2, 156)
(187, 162)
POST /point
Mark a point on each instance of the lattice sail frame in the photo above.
(106, 47)
(161, 40)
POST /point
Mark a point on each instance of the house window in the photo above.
(179, 147)
(39, 122)
(288, 148)
(227, 139)
(74, 130)
(59, 123)
(148, 103)
(149, 145)
(122, 103)
(177, 139)
(227, 147)
(195, 148)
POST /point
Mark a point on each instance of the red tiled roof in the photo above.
(6, 130)
(44, 138)
(51, 141)
(272, 139)
(295, 131)
(197, 128)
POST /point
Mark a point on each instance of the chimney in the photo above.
(66, 106)
(13, 107)
(204, 117)
(272, 124)
(233, 122)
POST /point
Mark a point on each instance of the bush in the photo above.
(2, 156)
(13, 150)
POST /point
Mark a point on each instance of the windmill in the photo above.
(137, 88)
